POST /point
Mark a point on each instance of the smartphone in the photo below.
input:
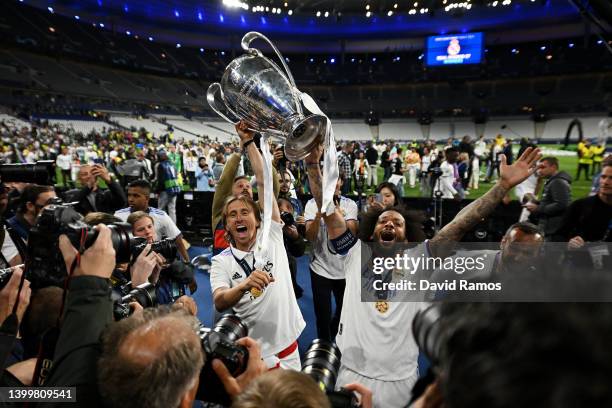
(379, 197)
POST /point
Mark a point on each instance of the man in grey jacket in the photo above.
(556, 199)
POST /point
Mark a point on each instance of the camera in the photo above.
(5, 275)
(42, 172)
(427, 332)
(165, 247)
(322, 362)
(529, 198)
(46, 265)
(287, 218)
(220, 343)
(144, 295)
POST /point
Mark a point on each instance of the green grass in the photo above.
(568, 164)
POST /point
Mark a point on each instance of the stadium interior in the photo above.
(133, 75)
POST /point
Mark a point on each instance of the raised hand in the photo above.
(522, 168)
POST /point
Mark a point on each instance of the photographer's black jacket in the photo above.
(88, 310)
(106, 200)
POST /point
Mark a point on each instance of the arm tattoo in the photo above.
(467, 219)
(316, 181)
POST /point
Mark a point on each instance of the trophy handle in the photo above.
(214, 96)
(245, 44)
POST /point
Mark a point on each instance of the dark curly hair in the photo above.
(413, 219)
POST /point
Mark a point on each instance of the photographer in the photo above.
(295, 245)
(590, 219)
(386, 196)
(138, 195)
(91, 197)
(262, 298)
(291, 389)
(176, 275)
(33, 199)
(480, 364)
(287, 191)
(88, 310)
(9, 296)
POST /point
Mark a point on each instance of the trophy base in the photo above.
(304, 136)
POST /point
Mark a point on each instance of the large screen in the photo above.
(455, 49)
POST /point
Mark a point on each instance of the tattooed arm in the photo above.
(442, 244)
(336, 225)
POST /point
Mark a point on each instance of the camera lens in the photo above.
(322, 362)
(144, 295)
(232, 327)
(426, 329)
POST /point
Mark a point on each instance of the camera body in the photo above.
(46, 265)
(165, 247)
(287, 218)
(42, 172)
(144, 295)
(220, 343)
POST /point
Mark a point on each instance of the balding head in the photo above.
(151, 359)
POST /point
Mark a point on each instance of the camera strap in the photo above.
(48, 342)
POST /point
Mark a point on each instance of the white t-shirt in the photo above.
(164, 226)
(375, 344)
(64, 161)
(446, 180)
(9, 250)
(274, 319)
(322, 261)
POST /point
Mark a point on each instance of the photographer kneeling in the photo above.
(173, 274)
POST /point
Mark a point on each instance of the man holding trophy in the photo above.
(256, 282)
(252, 276)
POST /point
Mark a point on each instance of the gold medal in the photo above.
(256, 292)
(382, 306)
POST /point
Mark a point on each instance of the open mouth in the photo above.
(387, 235)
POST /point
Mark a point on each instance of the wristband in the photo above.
(247, 143)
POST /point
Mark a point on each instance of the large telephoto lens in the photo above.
(426, 329)
(322, 362)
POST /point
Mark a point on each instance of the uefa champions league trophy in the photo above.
(255, 90)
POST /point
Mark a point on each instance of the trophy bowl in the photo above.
(255, 90)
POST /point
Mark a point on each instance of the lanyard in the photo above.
(244, 264)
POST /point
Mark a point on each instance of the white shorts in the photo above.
(290, 362)
(386, 394)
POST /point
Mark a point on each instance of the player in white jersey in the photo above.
(263, 298)
(378, 349)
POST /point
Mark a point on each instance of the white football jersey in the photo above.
(376, 338)
(322, 261)
(273, 318)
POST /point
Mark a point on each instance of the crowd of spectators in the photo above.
(114, 359)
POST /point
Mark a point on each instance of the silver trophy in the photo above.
(254, 89)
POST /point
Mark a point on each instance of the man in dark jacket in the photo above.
(91, 197)
(89, 309)
(556, 199)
